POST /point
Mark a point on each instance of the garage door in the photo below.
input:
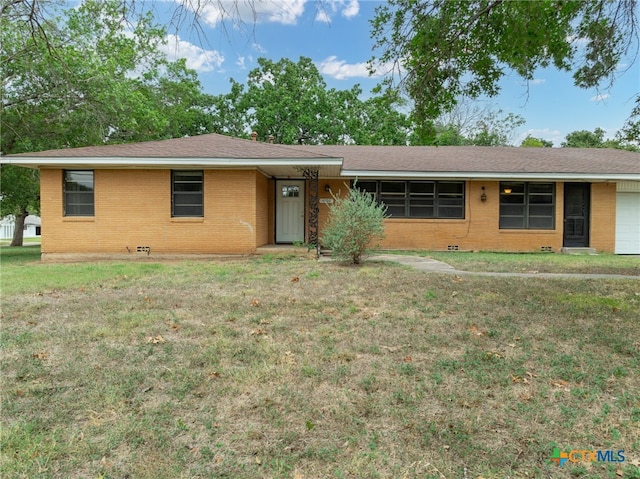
(628, 223)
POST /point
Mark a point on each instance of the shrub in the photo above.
(355, 224)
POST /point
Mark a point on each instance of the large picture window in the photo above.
(527, 205)
(418, 199)
(187, 193)
(78, 193)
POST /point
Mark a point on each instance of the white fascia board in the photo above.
(470, 175)
(115, 162)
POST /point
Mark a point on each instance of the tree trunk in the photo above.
(18, 232)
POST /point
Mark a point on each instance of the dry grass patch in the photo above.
(602, 263)
(293, 368)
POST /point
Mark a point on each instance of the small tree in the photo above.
(355, 224)
(19, 196)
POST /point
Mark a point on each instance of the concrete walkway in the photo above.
(434, 266)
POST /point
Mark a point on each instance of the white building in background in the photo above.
(31, 227)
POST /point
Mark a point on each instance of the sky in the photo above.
(335, 35)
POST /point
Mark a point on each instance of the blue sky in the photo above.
(335, 34)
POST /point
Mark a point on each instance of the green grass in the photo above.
(25, 241)
(21, 271)
(16, 255)
(292, 368)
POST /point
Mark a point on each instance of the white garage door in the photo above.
(628, 223)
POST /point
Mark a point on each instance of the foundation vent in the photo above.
(453, 247)
(143, 249)
(548, 249)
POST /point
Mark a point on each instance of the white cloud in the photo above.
(259, 48)
(327, 9)
(600, 97)
(198, 59)
(323, 16)
(286, 12)
(351, 9)
(537, 81)
(341, 70)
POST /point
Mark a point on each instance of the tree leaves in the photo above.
(442, 50)
(19, 189)
(290, 101)
(94, 75)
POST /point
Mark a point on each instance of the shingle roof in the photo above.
(481, 159)
(456, 161)
(211, 145)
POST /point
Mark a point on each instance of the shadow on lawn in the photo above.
(11, 255)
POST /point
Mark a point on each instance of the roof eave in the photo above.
(474, 175)
(153, 163)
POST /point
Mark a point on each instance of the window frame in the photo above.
(176, 205)
(526, 190)
(290, 191)
(415, 197)
(69, 206)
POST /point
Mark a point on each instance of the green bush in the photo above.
(355, 224)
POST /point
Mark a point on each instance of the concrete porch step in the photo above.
(576, 250)
(285, 249)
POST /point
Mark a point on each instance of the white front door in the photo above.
(289, 211)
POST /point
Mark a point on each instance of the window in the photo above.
(418, 199)
(290, 191)
(393, 194)
(78, 193)
(187, 193)
(527, 205)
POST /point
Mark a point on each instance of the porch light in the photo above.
(507, 191)
(483, 196)
(327, 188)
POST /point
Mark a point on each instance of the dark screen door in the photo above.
(576, 214)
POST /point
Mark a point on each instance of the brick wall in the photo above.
(480, 231)
(264, 196)
(338, 188)
(133, 208)
(603, 216)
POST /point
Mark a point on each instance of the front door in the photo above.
(576, 215)
(289, 211)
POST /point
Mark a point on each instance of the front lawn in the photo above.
(289, 367)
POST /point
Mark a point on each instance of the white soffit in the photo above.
(628, 186)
